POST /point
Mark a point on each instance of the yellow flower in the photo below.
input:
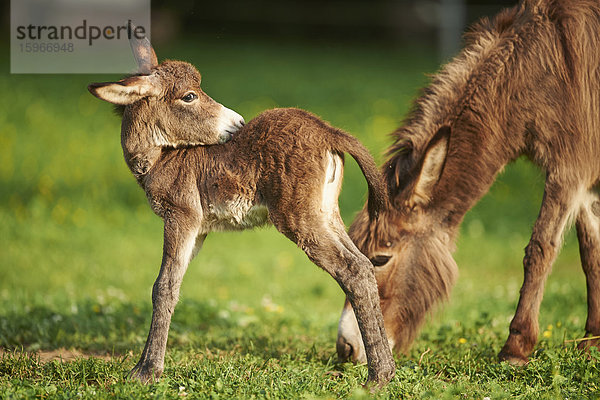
(462, 340)
(547, 334)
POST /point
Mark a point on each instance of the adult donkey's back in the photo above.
(527, 83)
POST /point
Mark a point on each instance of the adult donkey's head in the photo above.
(411, 252)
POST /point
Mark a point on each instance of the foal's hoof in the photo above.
(144, 374)
(380, 379)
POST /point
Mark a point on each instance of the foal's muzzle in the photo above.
(229, 122)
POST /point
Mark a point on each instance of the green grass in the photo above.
(81, 248)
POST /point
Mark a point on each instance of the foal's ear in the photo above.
(432, 165)
(126, 91)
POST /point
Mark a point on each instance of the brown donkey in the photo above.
(285, 166)
(526, 83)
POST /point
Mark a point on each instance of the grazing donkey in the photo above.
(285, 166)
(527, 83)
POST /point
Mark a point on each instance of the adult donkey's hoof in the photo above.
(518, 346)
(514, 360)
(589, 341)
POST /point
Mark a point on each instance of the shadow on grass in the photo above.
(121, 327)
(87, 326)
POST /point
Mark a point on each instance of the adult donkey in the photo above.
(527, 83)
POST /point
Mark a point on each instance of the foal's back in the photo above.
(284, 161)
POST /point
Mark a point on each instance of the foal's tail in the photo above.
(378, 193)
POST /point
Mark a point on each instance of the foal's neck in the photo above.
(141, 152)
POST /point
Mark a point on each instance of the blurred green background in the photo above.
(80, 247)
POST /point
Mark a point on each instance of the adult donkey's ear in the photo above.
(127, 91)
(143, 52)
(432, 165)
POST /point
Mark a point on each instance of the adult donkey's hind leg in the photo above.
(181, 243)
(557, 206)
(588, 234)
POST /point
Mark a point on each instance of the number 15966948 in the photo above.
(28, 47)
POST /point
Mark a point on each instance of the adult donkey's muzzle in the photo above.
(349, 343)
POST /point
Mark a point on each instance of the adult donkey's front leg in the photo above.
(181, 243)
(557, 207)
(588, 234)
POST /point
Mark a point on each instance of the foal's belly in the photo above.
(234, 215)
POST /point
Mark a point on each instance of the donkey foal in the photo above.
(284, 166)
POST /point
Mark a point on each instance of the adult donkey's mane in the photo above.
(488, 49)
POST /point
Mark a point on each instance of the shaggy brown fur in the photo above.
(285, 166)
(527, 83)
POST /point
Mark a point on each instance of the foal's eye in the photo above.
(189, 97)
(380, 261)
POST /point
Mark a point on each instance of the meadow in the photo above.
(81, 249)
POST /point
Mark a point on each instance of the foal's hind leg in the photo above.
(353, 272)
(588, 234)
(557, 206)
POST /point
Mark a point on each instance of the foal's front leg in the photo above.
(181, 243)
